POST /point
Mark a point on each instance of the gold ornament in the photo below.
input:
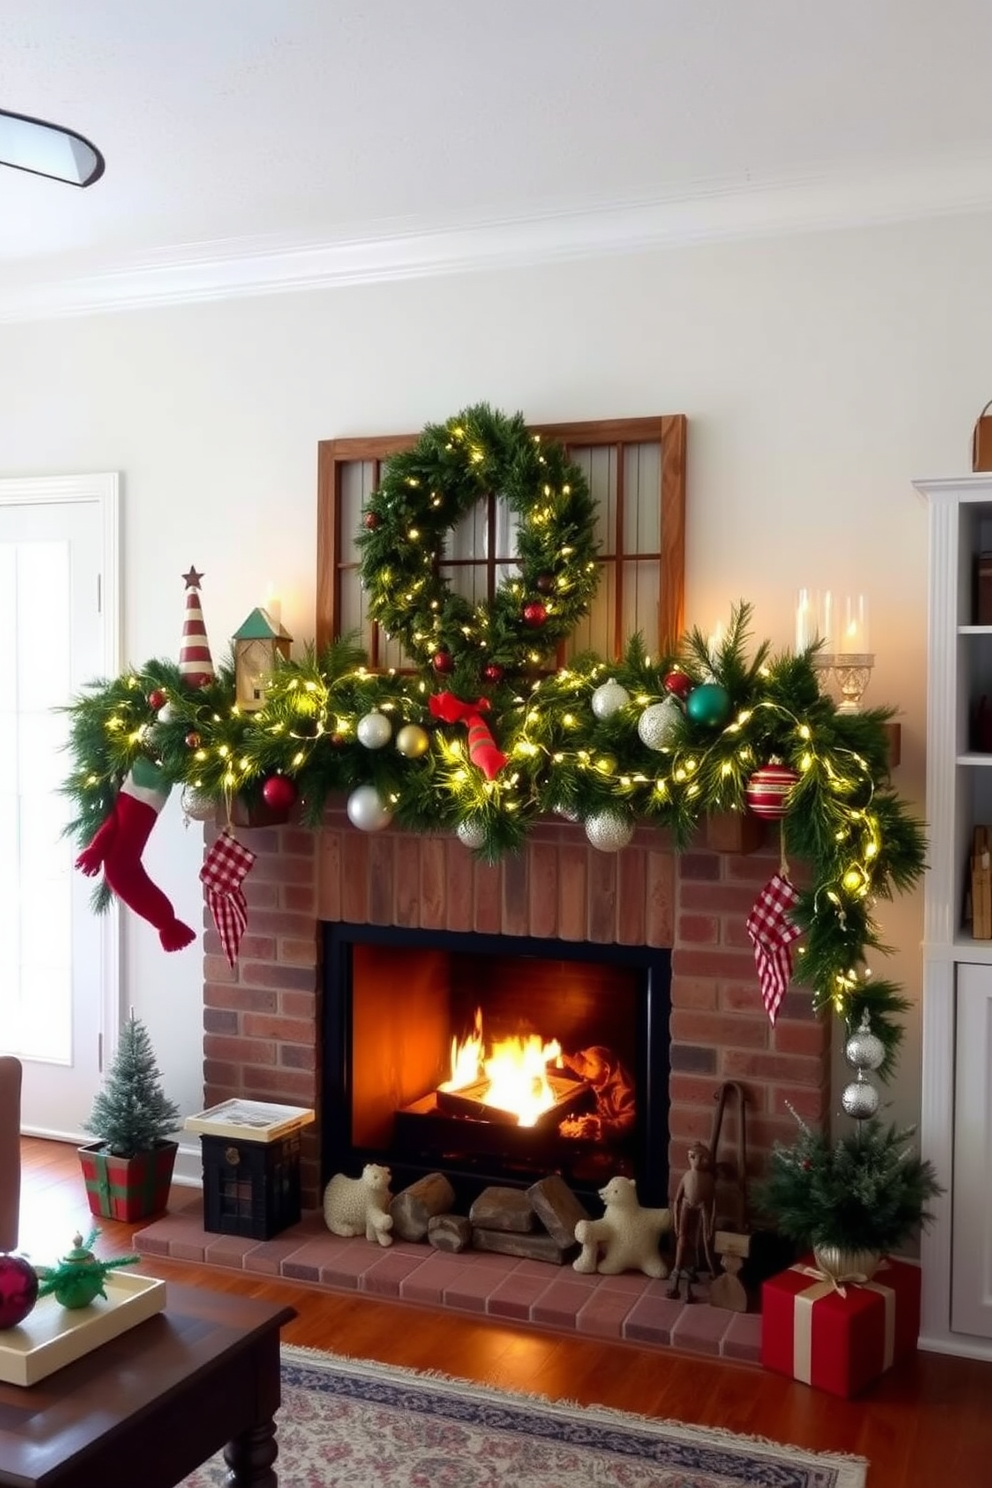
(412, 741)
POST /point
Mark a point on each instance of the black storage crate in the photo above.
(250, 1188)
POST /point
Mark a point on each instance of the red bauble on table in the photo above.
(156, 699)
(443, 662)
(279, 792)
(767, 792)
(678, 684)
(18, 1290)
(535, 614)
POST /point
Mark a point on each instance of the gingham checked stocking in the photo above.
(225, 868)
(772, 932)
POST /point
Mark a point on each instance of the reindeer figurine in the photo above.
(694, 1213)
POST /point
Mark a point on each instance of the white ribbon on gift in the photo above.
(802, 1343)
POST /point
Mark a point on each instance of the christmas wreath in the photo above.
(424, 492)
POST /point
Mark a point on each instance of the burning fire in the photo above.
(515, 1072)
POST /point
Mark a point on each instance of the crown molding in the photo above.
(706, 212)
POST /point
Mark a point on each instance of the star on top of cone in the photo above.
(196, 665)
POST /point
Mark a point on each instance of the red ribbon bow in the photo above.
(482, 749)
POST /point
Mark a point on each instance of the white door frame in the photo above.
(101, 490)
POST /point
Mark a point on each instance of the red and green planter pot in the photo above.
(128, 1188)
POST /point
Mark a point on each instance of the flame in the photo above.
(515, 1071)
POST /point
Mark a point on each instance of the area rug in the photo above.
(365, 1425)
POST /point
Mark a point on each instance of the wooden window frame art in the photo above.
(668, 431)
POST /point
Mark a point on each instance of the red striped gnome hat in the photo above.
(196, 665)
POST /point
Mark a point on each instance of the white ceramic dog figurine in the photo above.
(627, 1236)
(360, 1206)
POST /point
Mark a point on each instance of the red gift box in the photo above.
(839, 1338)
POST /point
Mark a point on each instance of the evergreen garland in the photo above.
(131, 1114)
(847, 829)
(866, 1190)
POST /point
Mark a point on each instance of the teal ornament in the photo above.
(709, 704)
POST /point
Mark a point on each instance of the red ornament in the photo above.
(535, 614)
(192, 740)
(156, 699)
(767, 791)
(18, 1290)
(279, 792)
(371, 520)
(678, 684)
(544, 583)
(492, 671)
(443, 662)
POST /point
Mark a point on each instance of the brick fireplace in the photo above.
(262, 1021)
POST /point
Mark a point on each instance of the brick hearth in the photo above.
(262, 1020)
(629, 1308)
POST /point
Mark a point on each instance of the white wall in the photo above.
(820, 374)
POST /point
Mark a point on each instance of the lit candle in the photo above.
(273, 604)
(805, 622)
(854, 638)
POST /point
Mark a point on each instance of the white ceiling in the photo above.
(256, 144)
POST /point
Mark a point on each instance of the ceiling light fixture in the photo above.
(48, 150)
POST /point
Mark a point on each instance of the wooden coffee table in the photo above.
(150, 1406)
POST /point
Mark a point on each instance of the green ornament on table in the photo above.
(79, 1277)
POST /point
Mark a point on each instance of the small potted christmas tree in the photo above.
(852, 1199)
(128, 1170)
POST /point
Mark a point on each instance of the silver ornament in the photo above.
(569, 813)
(470, 834)
(165, 714)
(609, 831)
(374, 730)
(196, 806)
(609, 698)
(864, 1050)
(658, 725)
(412, 741)
(860, 1100)
(367, 810)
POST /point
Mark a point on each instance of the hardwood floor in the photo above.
(927, 1421)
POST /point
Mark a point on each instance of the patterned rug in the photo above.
(352, 1422)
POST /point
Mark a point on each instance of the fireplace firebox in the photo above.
(586, 1025)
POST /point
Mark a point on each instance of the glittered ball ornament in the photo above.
(193, 740)
(608, 698)
(443, 662)
(709, 704)
(156, 699)
(279, 792)
(860, 1100)
(18, 1290)
(609, 831)
(535, 614)
(768, 790)
(367, 810)
(412, 741)
(659, 724)
(470, 834)
(371, 521)
(374, 730)
(196, 806)
(493, 672)
(678, 684)
(864, 1050)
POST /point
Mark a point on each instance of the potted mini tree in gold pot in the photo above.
(128, 1170)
